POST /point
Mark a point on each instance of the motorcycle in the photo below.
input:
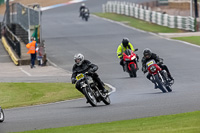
(2, 117)
(91, 91)
(130, 61)
(159, 76)
(85, 14)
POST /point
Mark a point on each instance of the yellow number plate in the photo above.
(80, 76)
(150, 63)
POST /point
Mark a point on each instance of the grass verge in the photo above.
(25, 94)
(139, 24)
(185, 122)
(191, 39)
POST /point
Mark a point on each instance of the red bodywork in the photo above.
(127, 58)
(157, 69)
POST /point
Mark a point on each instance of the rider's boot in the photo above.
(156, 86)
(171, 78)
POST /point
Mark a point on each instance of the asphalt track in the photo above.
(66, 34)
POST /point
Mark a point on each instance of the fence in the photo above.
(141, 12)
(24, 16)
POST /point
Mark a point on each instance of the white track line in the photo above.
(113, 89)
(25, 72)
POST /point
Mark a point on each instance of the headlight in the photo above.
(153, 68)
(127, 59)
(132, 58)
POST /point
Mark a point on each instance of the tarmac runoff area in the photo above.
(9, 72)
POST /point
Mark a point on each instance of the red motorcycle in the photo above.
(159, 76)
(130, 61)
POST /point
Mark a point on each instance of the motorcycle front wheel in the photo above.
(133, 71)
(1, 115)
(90, 96)
(160, 85)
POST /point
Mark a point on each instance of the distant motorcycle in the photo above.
(91, 91)
(159, 76)
(2, 117)
(85, 14)
(130, 61)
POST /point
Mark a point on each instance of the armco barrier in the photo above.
(137, 11)
(10, 51)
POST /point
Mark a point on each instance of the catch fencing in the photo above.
(24, 16)
(145, 13)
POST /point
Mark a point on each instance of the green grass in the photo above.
(25, 94)
(139, 24)
(179, 123)
(191, 39)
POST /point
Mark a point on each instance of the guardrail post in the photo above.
(135, 10)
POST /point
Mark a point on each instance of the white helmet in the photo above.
(83, 4)
(80, 57)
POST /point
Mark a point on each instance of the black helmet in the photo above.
(147, 53)
(125, 42)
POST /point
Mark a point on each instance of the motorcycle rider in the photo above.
(81, 66)
(148, 55)
(82, 9)
(121, 48)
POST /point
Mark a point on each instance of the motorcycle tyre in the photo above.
(106, 99)
(160, 85)
(169, 89)
(2, 116)
(133, 73)
(92, 100)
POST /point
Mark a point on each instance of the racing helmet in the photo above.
(125, 42)
(83, 4)
(78, 58)
(147, 53)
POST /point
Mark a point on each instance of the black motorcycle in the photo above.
(91, 91)
(85, 14)
(2, 117)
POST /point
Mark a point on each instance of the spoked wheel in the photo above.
(160, 85)
(89, 94)
(133, 71)
(1, 115)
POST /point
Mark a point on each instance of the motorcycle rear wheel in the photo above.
(2, 117)
(106, 99)
(90, 96)
(169, 89)
(86, 18)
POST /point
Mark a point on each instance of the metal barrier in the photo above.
(13, 41)
(141, 12)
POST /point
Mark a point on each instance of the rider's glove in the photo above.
(73, 80)
(144, 69)
(91, 71)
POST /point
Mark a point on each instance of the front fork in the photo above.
(160, 75)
